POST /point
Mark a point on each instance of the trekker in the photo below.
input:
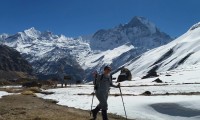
(102, 86)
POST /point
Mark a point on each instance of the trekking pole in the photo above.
(92, 103)
(95, 79)
(123, 101)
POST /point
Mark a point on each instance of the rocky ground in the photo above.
(30, 107)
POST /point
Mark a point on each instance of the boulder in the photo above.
(158, 80)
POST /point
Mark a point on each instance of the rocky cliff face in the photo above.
(11, 60)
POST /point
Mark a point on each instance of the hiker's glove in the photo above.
(118, 85)
(95, 87)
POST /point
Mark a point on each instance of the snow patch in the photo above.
(3, 93)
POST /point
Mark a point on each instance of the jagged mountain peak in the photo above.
(142, 22)
(32, 32)
(31, 29)
(139, 31)
(3, 36)
(138, 19)
(30, 35)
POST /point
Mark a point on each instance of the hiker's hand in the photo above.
(118, 85)
(95, 87)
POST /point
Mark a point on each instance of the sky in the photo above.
(84, 17)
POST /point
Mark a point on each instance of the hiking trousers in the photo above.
(102, 96)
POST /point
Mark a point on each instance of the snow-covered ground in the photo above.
(161, 107)
(11, 86)
(3, 93)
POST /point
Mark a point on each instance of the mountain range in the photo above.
(58, 55)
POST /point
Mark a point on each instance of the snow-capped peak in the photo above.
(32, 32)
(142, 21)
(3, 36)
(197, 25)
(139, 31)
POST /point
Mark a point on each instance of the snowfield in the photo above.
(106, 56)
(159, 106)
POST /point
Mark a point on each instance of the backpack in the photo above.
(95, 81)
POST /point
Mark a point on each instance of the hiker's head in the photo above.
(107, 70)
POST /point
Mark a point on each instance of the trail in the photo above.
(28, 107)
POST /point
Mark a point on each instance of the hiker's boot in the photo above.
(94, 113)
(104, 115)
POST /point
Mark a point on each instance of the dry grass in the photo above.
(12, 90)
(31, 91)
(27, 107)
(28, 92)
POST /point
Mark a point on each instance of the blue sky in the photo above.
(80, 17)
